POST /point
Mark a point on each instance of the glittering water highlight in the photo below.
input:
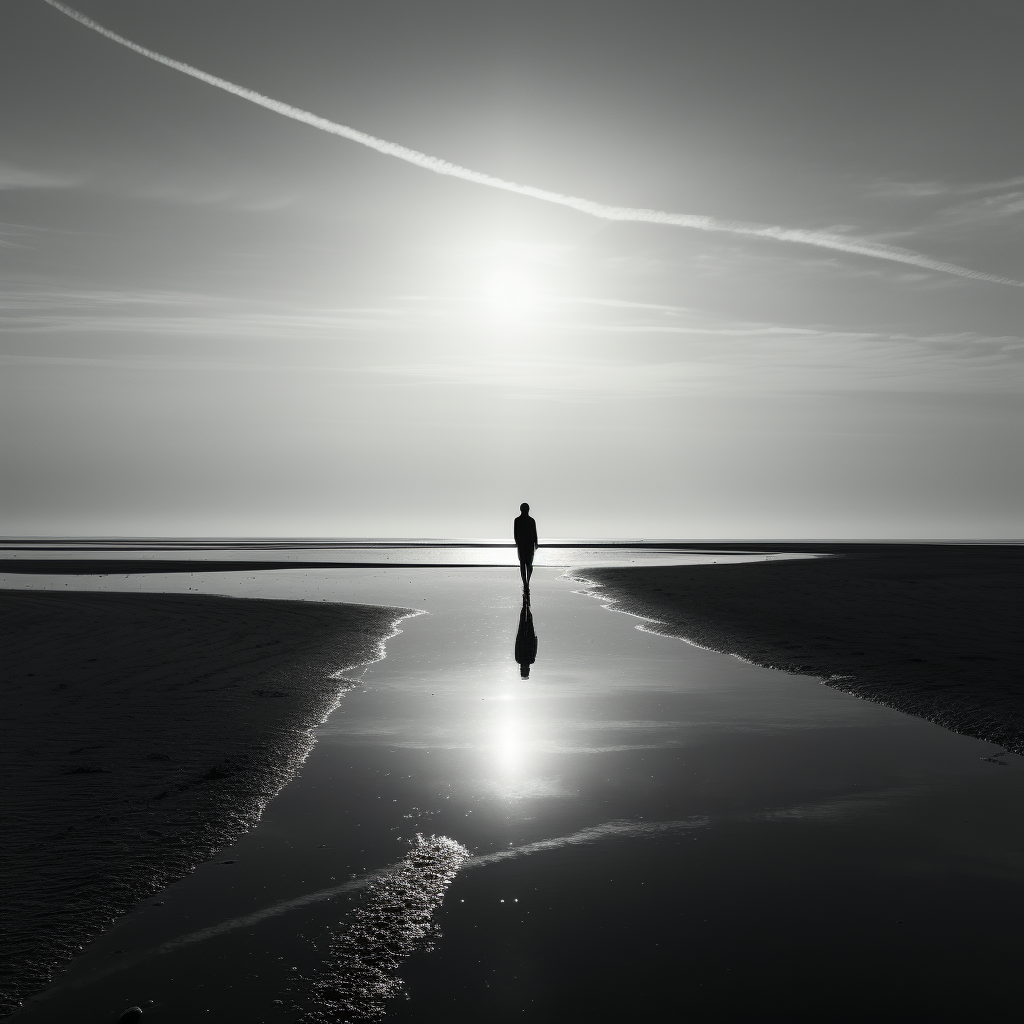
(395, 920)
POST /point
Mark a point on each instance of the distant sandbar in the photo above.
(932, 630)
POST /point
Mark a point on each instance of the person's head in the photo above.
(524, 508)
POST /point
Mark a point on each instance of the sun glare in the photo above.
(510, 291)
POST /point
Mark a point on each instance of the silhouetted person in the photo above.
(524, 529)
(526, 641)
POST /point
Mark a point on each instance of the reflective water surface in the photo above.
(385, 553)
(646, 824)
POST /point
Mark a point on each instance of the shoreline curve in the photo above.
(932, 631)
(145, 732)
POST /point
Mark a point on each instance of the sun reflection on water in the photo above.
(508, 747)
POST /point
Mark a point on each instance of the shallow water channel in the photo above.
(647, 824)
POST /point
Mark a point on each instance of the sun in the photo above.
(508, 290)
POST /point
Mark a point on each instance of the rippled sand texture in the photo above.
(933, 631)
(143, 732)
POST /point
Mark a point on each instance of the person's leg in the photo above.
(522, 572)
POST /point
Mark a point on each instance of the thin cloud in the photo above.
(49, 310)
(985, 210)
(802, 362)
(981, 203)
(708, 354)
(992, 186)
(247, 200)
(22, 177)
(151, 364)
(27, 299)
(821, 239)
(909, 189)
(926, 189)
(22, 236)
(256, 325)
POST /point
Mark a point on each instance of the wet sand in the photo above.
(142, 733)
(641, 824)
(932, 630)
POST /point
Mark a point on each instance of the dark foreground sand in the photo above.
(932, 630)
(142, 732)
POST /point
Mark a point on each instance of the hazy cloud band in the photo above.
(825, 240)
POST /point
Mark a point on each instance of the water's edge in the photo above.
(149, 731)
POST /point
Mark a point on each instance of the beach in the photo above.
(366, 372)
(142, 733)
(931, 630)
(637, 821)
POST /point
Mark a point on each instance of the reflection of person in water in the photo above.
(526, 641)
(524, 530)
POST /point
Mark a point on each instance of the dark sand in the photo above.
(932, 630)
(142, 733)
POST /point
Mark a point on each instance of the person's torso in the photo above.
(524, 530)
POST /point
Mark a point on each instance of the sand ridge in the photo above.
(142, 733)
(932, 630)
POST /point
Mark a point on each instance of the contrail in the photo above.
(821, 239)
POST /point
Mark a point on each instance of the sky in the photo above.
(218, 321)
